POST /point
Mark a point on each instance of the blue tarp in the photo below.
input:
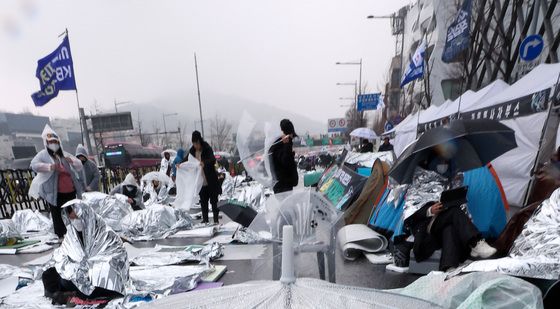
(485, 202)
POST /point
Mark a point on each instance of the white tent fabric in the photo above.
(405, 133)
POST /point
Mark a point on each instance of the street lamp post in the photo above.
(165, 126)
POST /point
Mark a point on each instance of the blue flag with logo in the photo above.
(369, 101)
(55, 72)
(458, 34)
(415, 68)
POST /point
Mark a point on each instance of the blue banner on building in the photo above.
(458, 34)
(368, 101)
(55, 72)
(415, 68)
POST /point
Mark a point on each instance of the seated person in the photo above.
(434, 227)
(157, 188)
(91, 265)
(366, 146)
(130, 189)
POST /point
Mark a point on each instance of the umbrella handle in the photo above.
(288, 272)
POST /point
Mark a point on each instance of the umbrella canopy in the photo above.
(237, 211)
(466, 144)
(366, 133)
(289, 292)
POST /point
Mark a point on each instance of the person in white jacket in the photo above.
(165, 166)
(59, 177)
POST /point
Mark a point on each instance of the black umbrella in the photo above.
(238, 211)
(467, 144)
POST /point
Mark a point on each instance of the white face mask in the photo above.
(77, 224)
(54, 147)
(442, 168)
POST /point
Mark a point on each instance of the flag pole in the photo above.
(77, 99)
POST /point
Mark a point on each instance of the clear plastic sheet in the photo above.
(8, 230)
(100, 262)
(162, 256)
(111, 208)
(155, 222)
(28, 220)
(165, 280)
(536, 251)
(304, 293)
(426, 186)
(189, 181)
(477, 290)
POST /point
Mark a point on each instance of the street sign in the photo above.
(337, 125)
(111, 122)
(368, 101)
(531, 47)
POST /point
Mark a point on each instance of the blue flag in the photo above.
(369, 101)
(458, 34)
(415, 68)
(55, 72)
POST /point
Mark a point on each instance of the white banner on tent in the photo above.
(189, 181)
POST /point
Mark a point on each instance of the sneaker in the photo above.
(482, 250)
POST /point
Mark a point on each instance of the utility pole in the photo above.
(198, 89)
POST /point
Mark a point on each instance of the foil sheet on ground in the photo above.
(31, 296)
(97, 259)
(165, 280)
(111, 208)
(426, 186)
(252, 194)
(155, 222)
(248, 236)
(28, 220)
(171, 255)
(536, 251)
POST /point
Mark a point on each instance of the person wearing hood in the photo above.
(91, 264)
(59, 177)
(178, 159)
(165, 166)
(91, 172)
(130, 189)
(283, 159)
(211, 188)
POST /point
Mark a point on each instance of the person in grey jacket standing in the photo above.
(59, 177)
(91, 172)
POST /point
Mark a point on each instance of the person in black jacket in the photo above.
(451, 230)
(386, 146)
(366, 147)
(211, 188)
(283, 159)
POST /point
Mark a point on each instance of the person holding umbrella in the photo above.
(211, 188)
(366, 147)
(283, 159)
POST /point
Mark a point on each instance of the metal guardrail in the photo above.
(14, 187)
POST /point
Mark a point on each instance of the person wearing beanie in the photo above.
(91, 172)
(211, 188)
(59, 177)
(283, 159)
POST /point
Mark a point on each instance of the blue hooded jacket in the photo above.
(178, 159)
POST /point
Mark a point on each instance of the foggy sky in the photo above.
(281, 53)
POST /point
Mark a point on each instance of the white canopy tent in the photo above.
(515, 166)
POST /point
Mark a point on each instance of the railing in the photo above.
(14, 187)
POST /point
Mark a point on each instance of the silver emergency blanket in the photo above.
(252, 194)
(167, 255)
(100, 262)
(367, 159)
(536, 251)
(248, 236)
(156, 197)
(155, 222)
(7, 230)
(112, 208)
(28, 220)
(304, 293)
(165, 280)
(477, 290)
(7, 270)
(426, 186)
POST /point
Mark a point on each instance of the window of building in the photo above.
(451, 88)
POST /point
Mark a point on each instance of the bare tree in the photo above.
(220, 130)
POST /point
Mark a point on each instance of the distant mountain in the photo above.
(230, 108)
